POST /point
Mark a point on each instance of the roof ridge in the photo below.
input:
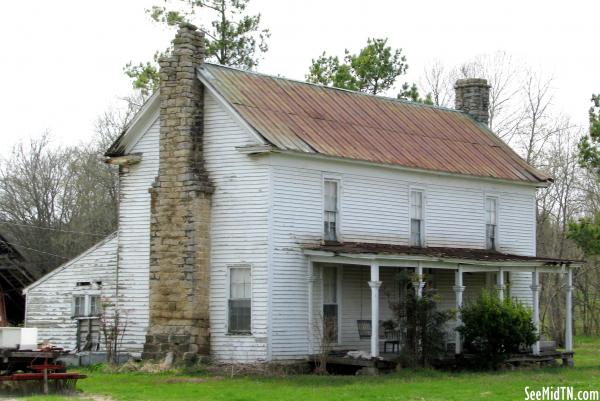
(349, 91)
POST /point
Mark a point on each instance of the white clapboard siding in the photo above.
(239, 234)
(50, 299)
(374, 208)
(134, 238)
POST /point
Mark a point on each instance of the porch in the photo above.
(354, 284)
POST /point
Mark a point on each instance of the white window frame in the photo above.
(74, 314)
(228, 298)
(497, 233)
(338, 180)
(87, 305)
(338, 298)
(412, 189)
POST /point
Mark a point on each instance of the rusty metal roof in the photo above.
(297, 116)
(482, 255)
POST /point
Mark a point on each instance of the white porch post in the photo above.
(419, 284)
(569, 312)
(310, 283)
(459, 288)
(500, 284)
(535, 295)
(374, 284)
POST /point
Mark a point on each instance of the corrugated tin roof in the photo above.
(302, 117)
(482, 255)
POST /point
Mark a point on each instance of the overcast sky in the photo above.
(61, 61)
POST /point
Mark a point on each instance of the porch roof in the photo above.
(442, 254)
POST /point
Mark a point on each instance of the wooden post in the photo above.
(374, 284)
(535, 295)
(419, 283)
(459, 288)
(500, 284)
(310, 284)
(45, 379)
(569, 311)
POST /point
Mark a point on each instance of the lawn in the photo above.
(404, 385)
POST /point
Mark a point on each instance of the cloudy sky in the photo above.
(61, 61)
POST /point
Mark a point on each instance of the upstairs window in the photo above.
(95, 305)
(79, 306)
(240, 288)
(330, 215)
(416, 218)
(85, 306)
(491, 227)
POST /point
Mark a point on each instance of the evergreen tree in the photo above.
(233, 37)
(374, 70)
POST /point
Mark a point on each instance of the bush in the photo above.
(424, 338)
(492, 329)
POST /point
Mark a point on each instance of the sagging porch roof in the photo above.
(457, 255)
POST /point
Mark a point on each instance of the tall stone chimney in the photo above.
(472, 95)
(180, 211)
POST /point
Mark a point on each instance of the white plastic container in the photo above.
(18, 338)
(29, 339)
(10, 337)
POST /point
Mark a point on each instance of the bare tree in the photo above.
(325, 330)
(503, 76)
(113, 326)
(437, 81)
(37, 198)
(537, 123)
(57, 201)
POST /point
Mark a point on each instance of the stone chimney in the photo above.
(472, 95)
(180, 211)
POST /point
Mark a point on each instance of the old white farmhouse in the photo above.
(252, 207)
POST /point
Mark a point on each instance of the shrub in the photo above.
(492, 329)
(424, 337)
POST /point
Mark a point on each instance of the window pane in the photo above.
(239, 315)
(95, 306)
(89, 334)
(490, 236)
(330, 226)
(79, 305)
(240, 284)
(416, 205)
(330, 200)
(415, 232)
(490, 211)
(330, 322)
(329, 285)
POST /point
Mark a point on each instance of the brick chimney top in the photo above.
(472, 95)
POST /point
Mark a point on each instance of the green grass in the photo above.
(424, 385)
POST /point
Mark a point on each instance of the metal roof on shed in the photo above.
(314, 119)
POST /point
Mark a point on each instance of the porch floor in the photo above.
(388, 361)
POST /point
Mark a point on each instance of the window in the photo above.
(330, 216)
(95, 305)
(79, 306)
(330, 304)
(240, 288)
(491, 217)
(86, 305)
(86, 309)
(416, 218)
